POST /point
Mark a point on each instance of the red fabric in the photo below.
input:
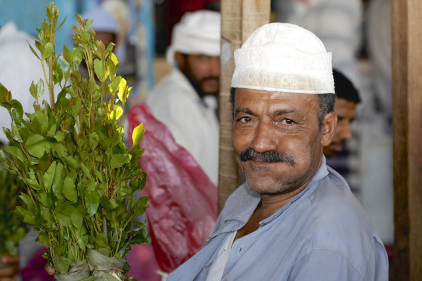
(35, 270)
(182, 199)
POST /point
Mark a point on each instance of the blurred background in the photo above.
(358, 33)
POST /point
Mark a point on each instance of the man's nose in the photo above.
(346, 131)
(264, 138)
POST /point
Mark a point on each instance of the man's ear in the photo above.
(179, 59)
(328, 128)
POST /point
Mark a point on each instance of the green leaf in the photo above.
(37, 145)
(60, 136)
(28, 216)
(67, 54)
(115, 84)
(61, 24)
(30, 205)
(122, 90)
(99, 69)
(49, 176)
(52, 12)
(15, 152)
(116, 113)
(118, 160)
(47, 51)
(43, 239)
(40, 88)
(33, 90)
(137, 135)
(32, 183)
(58, 181)
(77, 219)
(94, 139)
(98, 175)
(92, 201)
(73, 162)
(33, 51)
(69, 190)
(5, 97)
(61, 264)
(17, 111)
(58, 72)
(15, 132)
(45, 199)
(85, 171)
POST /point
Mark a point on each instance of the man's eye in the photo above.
(287, 121)
(244, 119)
(203, 57)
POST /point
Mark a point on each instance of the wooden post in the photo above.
(407, 141)
(239, 18)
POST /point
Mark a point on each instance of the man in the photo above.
(185, 100)
(294, 218)
(347, 98)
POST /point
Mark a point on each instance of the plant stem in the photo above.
(50, 70)
(104, 224)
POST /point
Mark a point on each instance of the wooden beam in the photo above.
(407, 141)
(239, 18)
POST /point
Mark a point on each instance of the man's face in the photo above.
(345, 113)
(202, 70)
(277, 139)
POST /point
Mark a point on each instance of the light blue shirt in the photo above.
(322, 234)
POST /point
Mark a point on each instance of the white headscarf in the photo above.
(283, 57)
(196, 33)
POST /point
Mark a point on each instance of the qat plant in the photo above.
(80, 178)
(12, 229)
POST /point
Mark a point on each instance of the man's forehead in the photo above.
(275, 100)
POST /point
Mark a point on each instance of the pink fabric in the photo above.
(141, 259)
(182, 199)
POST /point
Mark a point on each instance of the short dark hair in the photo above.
(326, 105)
(344, 88)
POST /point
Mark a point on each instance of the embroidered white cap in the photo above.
(286, 58)
(197, 33)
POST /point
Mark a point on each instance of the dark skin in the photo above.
(285, 123)
(203, 70)
(345, 111)
(9, 273)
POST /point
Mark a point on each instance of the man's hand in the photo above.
(49, 269)
(11, 271)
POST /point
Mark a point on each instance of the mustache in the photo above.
(210, 78)
(270, 156)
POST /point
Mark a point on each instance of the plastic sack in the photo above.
(182, 199)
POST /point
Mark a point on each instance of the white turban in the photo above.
(102, 20)
(196, 33)
(285, 58)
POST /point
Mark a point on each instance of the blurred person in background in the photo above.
(186, 99)
(338, 23)
(347, 98)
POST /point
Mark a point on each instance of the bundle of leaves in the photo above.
(80, 178)
(12, 229)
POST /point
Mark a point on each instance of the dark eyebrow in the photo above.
(244, 110)
(284, 111)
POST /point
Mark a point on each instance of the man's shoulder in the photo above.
(338, 221)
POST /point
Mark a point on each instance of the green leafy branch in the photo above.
(80, 178)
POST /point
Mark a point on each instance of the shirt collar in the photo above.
(239, 215)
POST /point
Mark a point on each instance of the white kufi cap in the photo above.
(196, 33)
(283, 57)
